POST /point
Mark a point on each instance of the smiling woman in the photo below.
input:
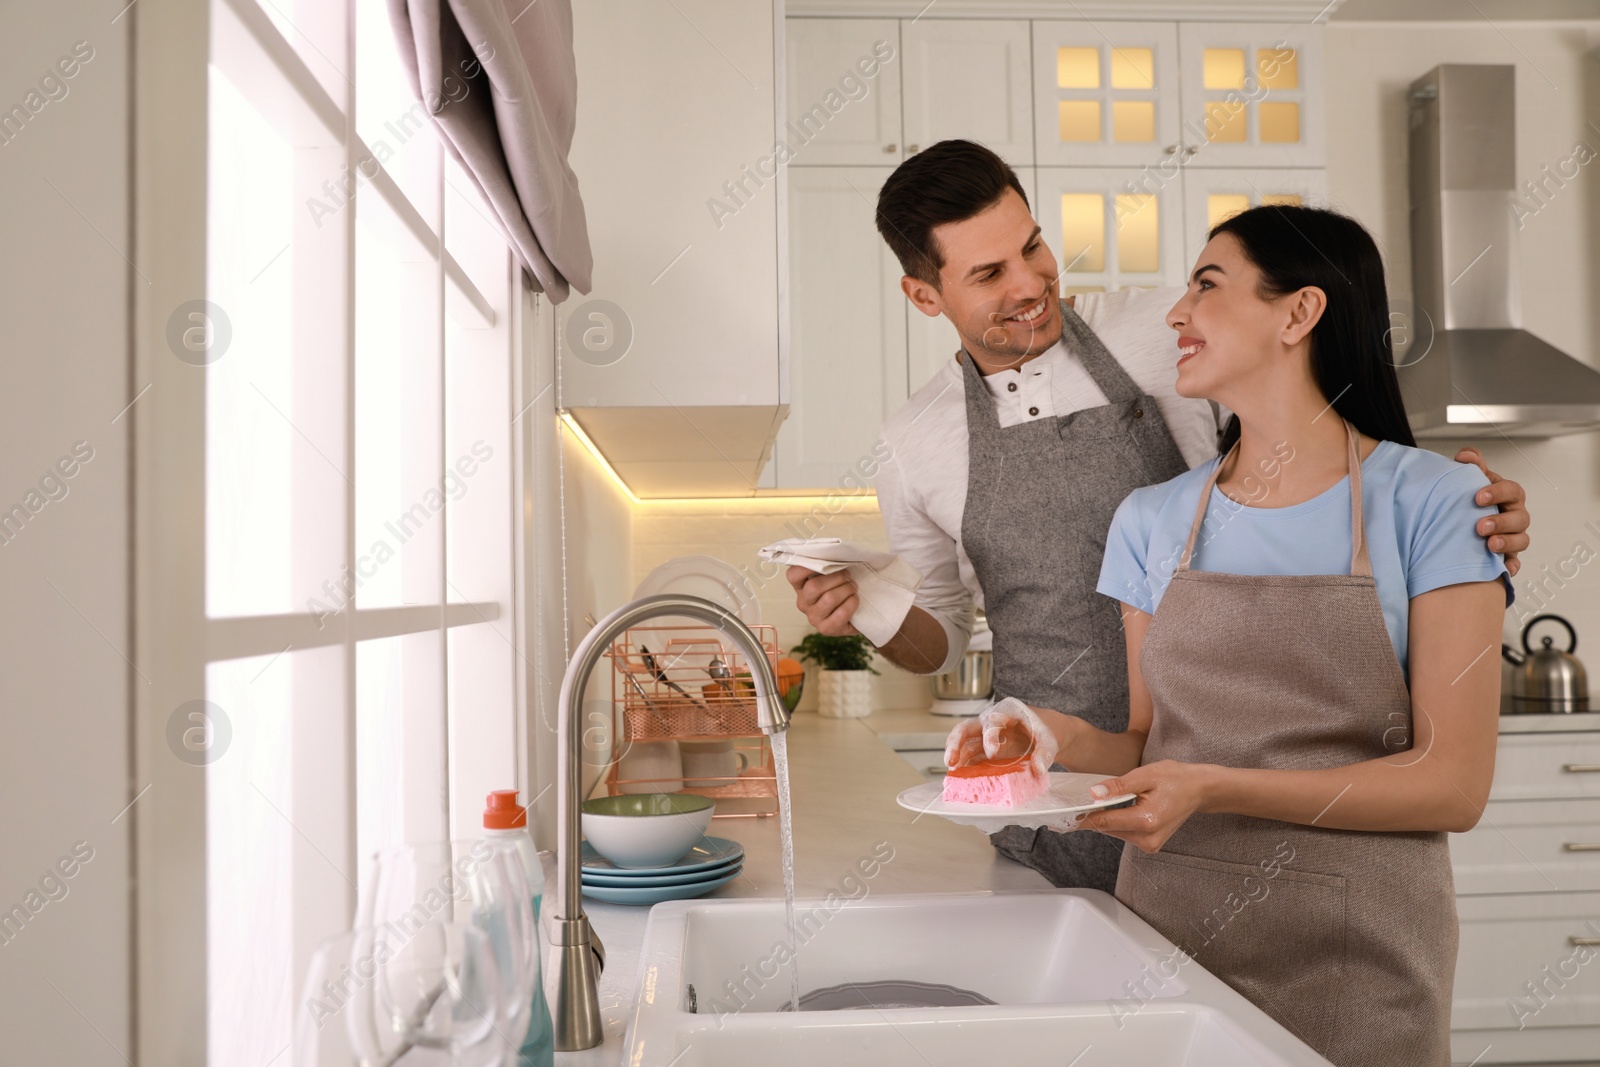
(1312, 672)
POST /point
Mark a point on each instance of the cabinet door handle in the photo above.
(1579, 942)
(913, 149)
(890, 147)
(1581, 768)
(1172, 149)
(1190, 150)
(1582, 846)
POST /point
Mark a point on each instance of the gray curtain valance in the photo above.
(500, 83)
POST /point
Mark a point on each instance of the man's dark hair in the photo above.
(947, 182)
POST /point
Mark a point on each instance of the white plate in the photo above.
(710, 579)
(1068, 798)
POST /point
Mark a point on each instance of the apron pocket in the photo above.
(1274, 934)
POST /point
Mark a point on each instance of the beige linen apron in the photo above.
(1346, 937)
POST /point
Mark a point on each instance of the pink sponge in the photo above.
(1006, 783)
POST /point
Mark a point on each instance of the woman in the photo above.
(1311, 629)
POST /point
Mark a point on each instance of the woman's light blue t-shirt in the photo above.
(1418, 510)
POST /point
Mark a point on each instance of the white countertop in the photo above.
(916, 728)
(844, 780)
(844, 777)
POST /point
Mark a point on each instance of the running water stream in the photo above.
(780, 758)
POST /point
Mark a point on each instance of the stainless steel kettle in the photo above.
(1549, 679)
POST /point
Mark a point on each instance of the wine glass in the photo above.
(376, 996)
(476, 881)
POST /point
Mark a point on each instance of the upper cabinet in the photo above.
(1251, 95)
(843, 103)
(849, 371)
(971, 80)
(1109, 229)
(1212, 194)
(1106, 93)
(675, 363)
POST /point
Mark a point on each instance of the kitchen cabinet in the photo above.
(1106, 126)
(1527, 877)
(969, 79)
(1110, 232)
(841, 113)
(1251, 94)
(848, 315)
(942, 79)
(675, 364)
(1105, 93)
(1211, 195)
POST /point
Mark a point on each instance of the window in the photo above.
(362, 676)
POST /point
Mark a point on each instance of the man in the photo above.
(1007, 467)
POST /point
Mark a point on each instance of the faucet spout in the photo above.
(576, 953)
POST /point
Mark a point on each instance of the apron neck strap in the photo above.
(1360, 562)
(1096, 358)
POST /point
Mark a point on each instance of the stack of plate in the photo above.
(714, 862)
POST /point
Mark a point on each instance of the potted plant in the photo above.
(844, 688)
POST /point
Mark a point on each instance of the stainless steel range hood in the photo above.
(1471, 368)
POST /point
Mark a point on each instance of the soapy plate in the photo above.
(1067, 799)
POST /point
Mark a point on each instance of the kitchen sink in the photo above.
(1056, 975)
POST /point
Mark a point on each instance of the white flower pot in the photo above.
(844, 694)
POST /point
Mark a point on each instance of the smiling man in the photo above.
(1008, 465)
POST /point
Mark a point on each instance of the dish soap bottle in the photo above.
(506, 821)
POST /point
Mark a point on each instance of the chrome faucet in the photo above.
(576, 953)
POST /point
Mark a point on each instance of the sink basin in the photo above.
(1069, 973)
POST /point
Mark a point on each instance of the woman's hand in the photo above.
(1008, 731)
(1168, 793)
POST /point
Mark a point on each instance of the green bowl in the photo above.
(648, 804)
(646, 829)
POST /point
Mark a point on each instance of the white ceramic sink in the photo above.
(1071, 973)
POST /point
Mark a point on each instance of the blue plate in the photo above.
(711, 852)
(646, 878)
(656, 894)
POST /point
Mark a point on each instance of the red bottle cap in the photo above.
(503, 812)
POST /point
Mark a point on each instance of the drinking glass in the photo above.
(480, 882)
(375, 997)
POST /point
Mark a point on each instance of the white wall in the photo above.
(594, 579)
(1558, 106)
(64, 671)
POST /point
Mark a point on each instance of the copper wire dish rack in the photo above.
(689, 683)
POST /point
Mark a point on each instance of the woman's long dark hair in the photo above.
(1351, 357)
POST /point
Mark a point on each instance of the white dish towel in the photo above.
(886, 583)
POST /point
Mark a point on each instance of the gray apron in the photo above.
(1040, 497)
(1351, 944)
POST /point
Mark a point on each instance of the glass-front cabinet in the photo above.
(1212, 194)
(1110, 228)
(1248, 95)
(1105, 93)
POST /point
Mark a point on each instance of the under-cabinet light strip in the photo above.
(866, 500)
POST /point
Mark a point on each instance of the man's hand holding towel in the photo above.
(885, 583)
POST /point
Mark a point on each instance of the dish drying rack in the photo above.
(686, 683)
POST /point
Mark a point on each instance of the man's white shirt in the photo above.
(922, 486)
